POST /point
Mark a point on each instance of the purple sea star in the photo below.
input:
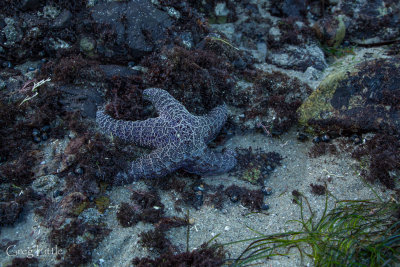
(179, 139)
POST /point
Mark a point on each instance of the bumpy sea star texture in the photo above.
(179, 139)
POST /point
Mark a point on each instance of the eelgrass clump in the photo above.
(353, 233)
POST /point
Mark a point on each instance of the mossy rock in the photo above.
(364, 97)
(331, 30)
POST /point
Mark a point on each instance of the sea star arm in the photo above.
(178, 137)
(164, 103)
(213, 122)
(156, 164)
(141, 133)
(213, 163)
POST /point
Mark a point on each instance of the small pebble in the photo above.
(266, 190)
(234, 198)
(239, 64)
(265, 172)
(356, 139)
(58, 193)
(71, 135)
(37, 139)
(31, 69)
(78, 170)
(198, 201)
(325, 138)
(302, 137)
(35, 132)
(316, 139)
(44, 136)
(199, 188)
(45, 129)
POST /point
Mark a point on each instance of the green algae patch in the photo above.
(80, 208)
(318, 104)
(252, 174)
(102, 203)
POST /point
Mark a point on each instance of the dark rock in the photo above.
(2, 23)
(198, 200)
(9, 212)
(29, 4)
(371, 21)
(298, 57)
(325, 138)
(315, 9)
(252, 32)
(356, 99)
(26, 262)
(44, 136)
(331, 30)
(316, 140)
(37, 139)
(137, 27)
(200, 188)
(302, 137)
(356, 139)
(116, 70)
(234, 198)
(80, 99)
(288, 8)
(35, 132)
(265, 206)
(7, 64)
(45, 129)
(239, 64)
(62, 20)
(266, 190)
(293, 45)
